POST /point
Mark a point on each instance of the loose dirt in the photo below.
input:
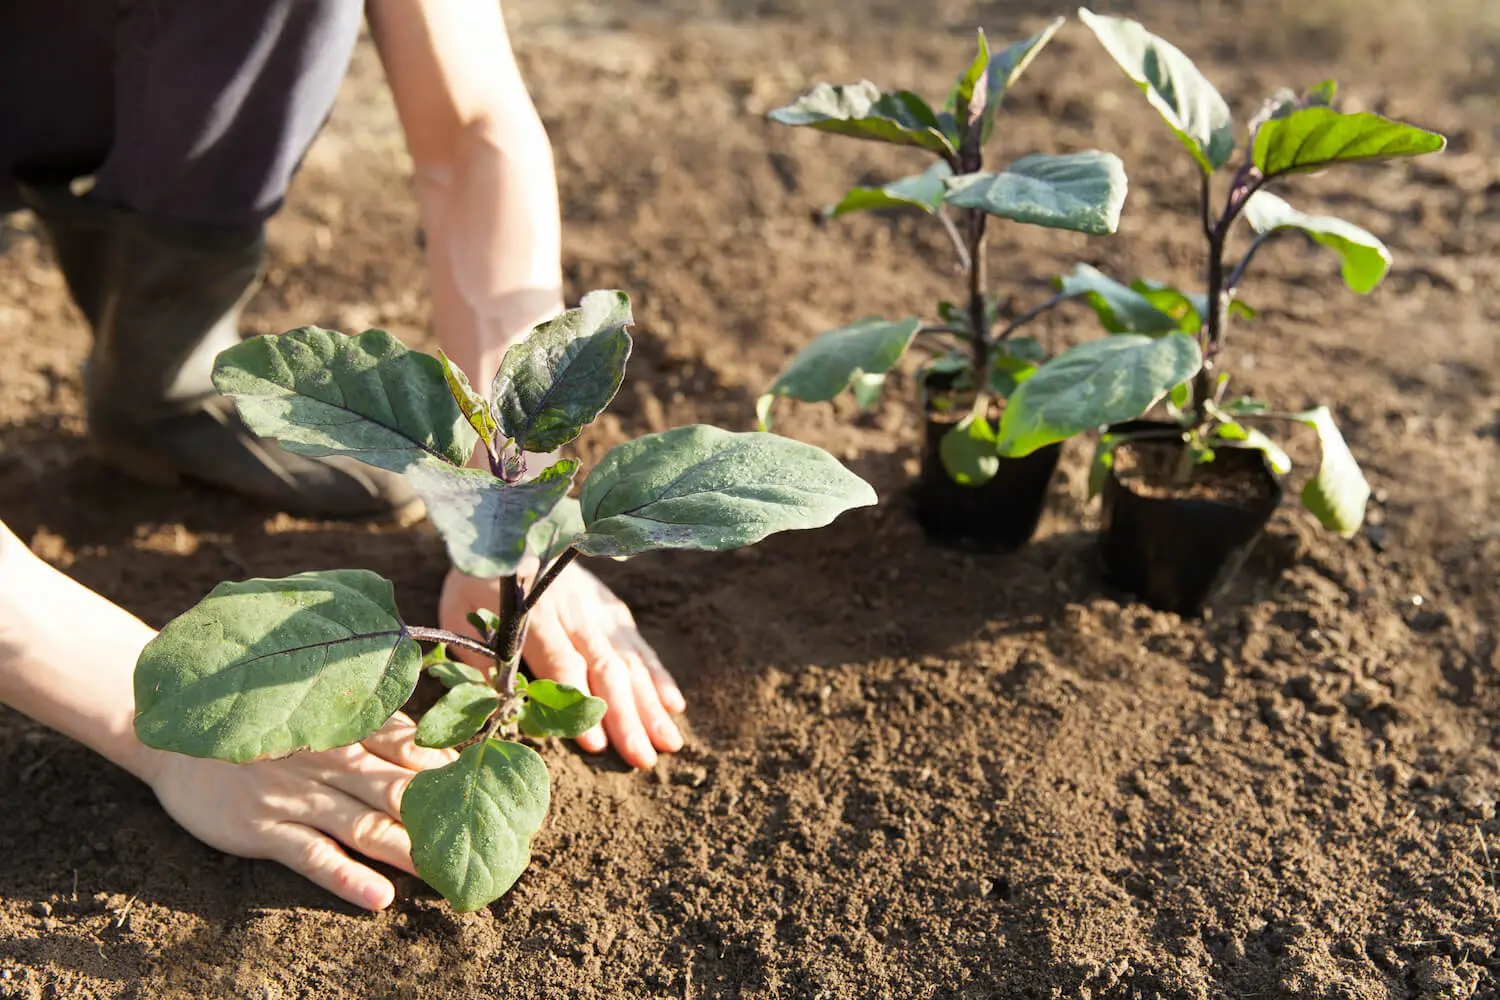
(910, 772)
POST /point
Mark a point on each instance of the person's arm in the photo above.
(484, 174)
(489, 203)
(67, 660)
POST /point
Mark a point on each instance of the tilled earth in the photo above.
(911, 772)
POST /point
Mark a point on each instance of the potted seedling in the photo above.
(1185, 498)
(996, 408)
(266, 668)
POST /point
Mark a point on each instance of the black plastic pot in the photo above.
(999, 516)
(1175, 553)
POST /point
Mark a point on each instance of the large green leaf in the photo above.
(1365, 258)
(552, 535)
(835, 359)
(471, 821)
(554, 382)
(1316, 137)
(699, 487)
(483, 520)
(968, 451)
(1099, 382)
(1079, 192)
(263, 668)
(1174, 86)
(1337, 495)
(318, 393)
(457, 715)
(924, 191)
(559, 710)
(862, 111)
(1120, 309)
(1008, 64)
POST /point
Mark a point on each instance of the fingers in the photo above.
(318, 859)
(375, 833)
(654, 717)
(610, 679)
(393, 743)
(551, 654)
(666, 688)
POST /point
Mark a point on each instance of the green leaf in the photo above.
(559, 710)
(1179, 398)
(484, 521)
(836, 359)
(1187, 308)
(954, 316)
(1239, 436)
(484, 620)
(457, 715)
(1099, 382)
(1120, 309)
(866, 388)
(474, 407)
(1244, 406)
(1365, 258)
(968, 451)
(1079, 192)
(961, 106)
(1101, 463)
(554, 382)
(1007, 372)
(924, 191)
(1316, 137)
(471, 821)
(453, 673)
(322, 393)
(553, 534)
(1007, 65)
(1337, 495)
(263, 668)
(699, 487)
(1173, 85)
(863, 111)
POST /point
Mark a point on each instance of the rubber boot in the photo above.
(163, 300)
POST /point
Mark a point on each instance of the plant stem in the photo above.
(1238, 272)
(978, 279)
(958, 241)
(506, 643)
(545, 580)
(1022, 319)
(448, 638)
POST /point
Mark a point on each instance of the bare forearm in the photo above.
(67, 656)
(494, 241)
(484, 173)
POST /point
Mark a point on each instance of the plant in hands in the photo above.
(1291, 134)
(267, 668)
(979, 367)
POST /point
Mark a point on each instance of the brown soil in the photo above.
(910, 773)
(1149, 469)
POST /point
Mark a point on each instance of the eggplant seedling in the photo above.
(1197, 450)
(989, 395)
(265, 668)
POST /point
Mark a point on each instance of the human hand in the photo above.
(581, 634)
(297, 810)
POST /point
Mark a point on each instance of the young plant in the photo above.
(979, 365)
(1290, 135)
(266, 668)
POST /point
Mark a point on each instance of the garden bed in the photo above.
(910, 772)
